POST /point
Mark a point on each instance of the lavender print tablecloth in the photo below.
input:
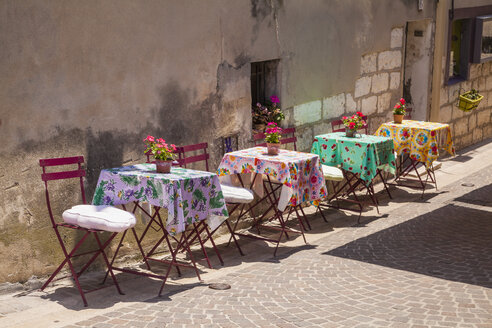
(188, 195)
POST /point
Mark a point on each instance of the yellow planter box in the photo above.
(466, 104)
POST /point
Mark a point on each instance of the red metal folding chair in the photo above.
(408, 113)
(76, 220)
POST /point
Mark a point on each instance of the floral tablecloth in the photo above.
(421, 140)
(188, 195)
(362, 154)
(300, 173)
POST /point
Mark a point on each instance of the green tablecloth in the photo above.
(362, 154)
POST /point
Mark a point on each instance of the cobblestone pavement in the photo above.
(427, 264)
(421, 263)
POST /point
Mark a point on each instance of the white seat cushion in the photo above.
(101, 217)
(236, 194)
(332, 173)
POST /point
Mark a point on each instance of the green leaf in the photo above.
(217, 201)
(130, 180)
(154, 189)
(139, 194)
(197, 194)
(99, 193)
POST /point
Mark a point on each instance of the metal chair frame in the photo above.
(71, 174)
(341, 193)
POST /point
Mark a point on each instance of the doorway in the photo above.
(417, 73)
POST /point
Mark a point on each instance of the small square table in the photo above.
(361, 157)
(190, 197)
(421, 141)
(299, 174)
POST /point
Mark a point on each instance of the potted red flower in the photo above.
(353, 123)
(399, 111)
(162, 152)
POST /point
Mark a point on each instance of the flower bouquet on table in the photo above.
(353, 123)
(262, 115)
(163, 153)
(272, 138)
(399, 111)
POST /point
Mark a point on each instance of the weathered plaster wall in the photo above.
(95, 77)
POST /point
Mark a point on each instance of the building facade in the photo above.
(94, 78)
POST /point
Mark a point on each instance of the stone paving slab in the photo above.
(421, 263)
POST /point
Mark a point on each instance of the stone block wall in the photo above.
(376, 88)
(469, 127)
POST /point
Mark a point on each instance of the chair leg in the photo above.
(234, 237)
(67, 260)
(207, 230)
(321, 212)
(103, 254)
(305, 217)
(115, 254)
(201, 245)
(300, 224)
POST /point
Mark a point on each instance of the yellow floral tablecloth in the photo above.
(422, 140)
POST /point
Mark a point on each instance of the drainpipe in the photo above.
(440, 37)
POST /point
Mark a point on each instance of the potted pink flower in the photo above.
(162, 152)
(272, 138)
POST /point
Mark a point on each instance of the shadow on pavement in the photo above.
(452, 243)
(481, 196)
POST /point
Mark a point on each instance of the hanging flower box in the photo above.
(469, 100)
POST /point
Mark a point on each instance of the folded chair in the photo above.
(90, 219)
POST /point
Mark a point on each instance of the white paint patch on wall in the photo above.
(307, 113)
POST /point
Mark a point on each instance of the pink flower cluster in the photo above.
(274, 99)
(273, 128)
(272, 133)
(159, 148)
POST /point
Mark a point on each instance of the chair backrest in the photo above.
(408, 113)
(288, 137)
(337, 126)
(62, 175)
(184, 158)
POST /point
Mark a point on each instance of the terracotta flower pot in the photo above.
(350, 132)
(273, 148)
(398, 118)
(163, 166)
